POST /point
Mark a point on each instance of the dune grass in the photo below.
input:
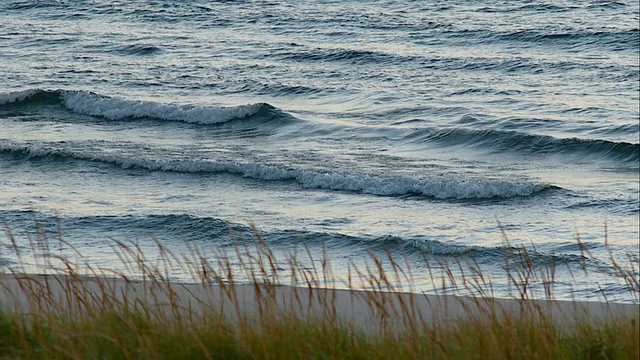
(127, 335)
(107, 314)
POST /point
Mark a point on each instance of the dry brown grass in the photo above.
(81, 311)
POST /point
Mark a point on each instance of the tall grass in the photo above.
(237, 307)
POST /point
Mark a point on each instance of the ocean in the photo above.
(443, 132)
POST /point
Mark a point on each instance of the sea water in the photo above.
(434, 131)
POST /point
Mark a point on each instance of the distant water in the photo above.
(420, 127)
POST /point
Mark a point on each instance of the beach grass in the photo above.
(132, 335)
(97, 313)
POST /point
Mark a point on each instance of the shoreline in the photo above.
(369, 311)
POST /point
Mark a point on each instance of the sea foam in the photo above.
(439, 186)
(89, 103)
(114, 108)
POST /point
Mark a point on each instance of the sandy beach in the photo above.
(369, 311)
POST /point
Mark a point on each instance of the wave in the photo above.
(406, 245)
(29, 5)
(528, 7)
(364, 57)
(89, 103)
(513, 256)
(352, 56)
(530, 144)
(21, 96)
(480, 254)
(275, 89)
(139, 49)
(547, 7)
(614, 40)
(621, 40)
(222, 233)
(523, 64)
(125, 227)
(438, 186)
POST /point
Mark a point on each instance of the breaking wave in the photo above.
(89, 103)
(438, 186)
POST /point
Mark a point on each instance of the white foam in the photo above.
(435, 186)
(439, 187)
(114, 108)
(16, 96)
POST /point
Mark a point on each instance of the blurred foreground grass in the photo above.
(107, 315)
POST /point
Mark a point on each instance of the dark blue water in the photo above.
(427, 128)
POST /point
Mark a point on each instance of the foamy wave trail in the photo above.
(433, 186)
(89, 103)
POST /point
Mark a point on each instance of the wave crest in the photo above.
(440, 186)
(89, 103)
(530, 144)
